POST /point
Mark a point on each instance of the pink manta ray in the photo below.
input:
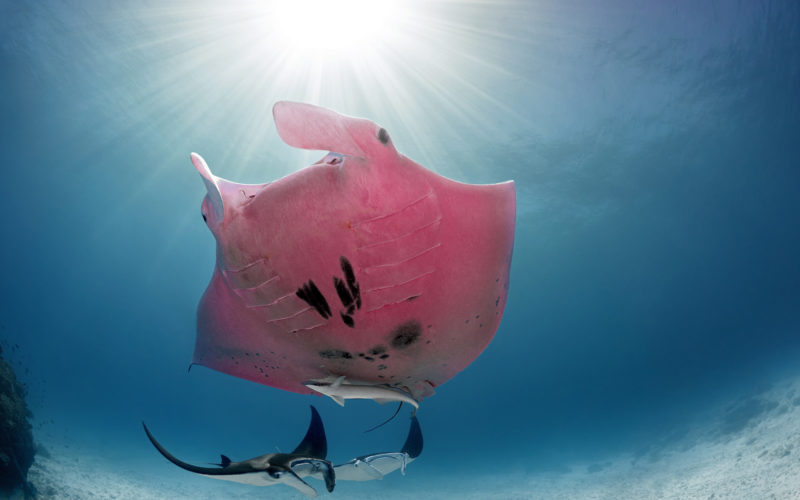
(364, 265)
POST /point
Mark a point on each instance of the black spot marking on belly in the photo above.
(384, 356)
(382, 367)
(369, 358)
(335, 354)
(344, 294)
(349, 292)
(378, 349)
(311, 295)
(348, 320)
(350, 278)
(405, 334)
(383, 136)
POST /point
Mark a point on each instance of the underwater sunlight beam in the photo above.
(345, 27)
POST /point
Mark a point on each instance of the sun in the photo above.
(427, 69)
(341, 28)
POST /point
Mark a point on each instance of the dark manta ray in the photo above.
(377, 465)
(364, 274)
(308, 459)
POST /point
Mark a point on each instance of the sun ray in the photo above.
(427, 70)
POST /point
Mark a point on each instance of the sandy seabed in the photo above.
(748, 449)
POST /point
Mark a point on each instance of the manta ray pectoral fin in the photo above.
(314, 444)
(358, 469)
(413, 445)
(289, 478)
(370, 470)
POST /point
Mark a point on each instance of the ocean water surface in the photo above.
(650, 344)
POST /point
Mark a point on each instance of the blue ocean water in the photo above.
(655, 148)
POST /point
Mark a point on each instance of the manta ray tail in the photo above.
(209, 471)
(387, 421)
(314, 444)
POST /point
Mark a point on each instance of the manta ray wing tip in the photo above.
(198, 161)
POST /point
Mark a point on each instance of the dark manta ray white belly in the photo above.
(365, 265)
(308, 459)
(377, 465)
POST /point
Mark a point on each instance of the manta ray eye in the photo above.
(383, 136)
(275, 473)
(205, 219)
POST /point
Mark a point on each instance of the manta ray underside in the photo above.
(364, 265)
